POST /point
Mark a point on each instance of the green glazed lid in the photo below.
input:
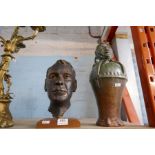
(104, 69)
(104, 66)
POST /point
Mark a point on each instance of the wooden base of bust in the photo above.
(58, 123)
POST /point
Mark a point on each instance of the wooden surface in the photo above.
(88, 123)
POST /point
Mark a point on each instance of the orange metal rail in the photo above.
(144, 43)
(129, 107)
(111, 33)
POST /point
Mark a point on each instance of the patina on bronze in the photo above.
(10, 47)
(108, 79)
(60, 83)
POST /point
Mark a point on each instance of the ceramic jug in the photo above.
(108, 80)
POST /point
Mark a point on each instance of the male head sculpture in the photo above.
(60, 83)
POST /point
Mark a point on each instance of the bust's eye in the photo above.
(67, 76)
(52, 76)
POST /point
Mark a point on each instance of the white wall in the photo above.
(122, 47)
(28, 72)
(70, 43)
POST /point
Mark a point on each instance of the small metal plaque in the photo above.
(117, 84)
(45, 122)
(62, 121)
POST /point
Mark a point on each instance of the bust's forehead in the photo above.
(61, 69)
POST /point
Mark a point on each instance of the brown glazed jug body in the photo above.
(108, 79)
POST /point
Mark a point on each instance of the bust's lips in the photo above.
(59, 92)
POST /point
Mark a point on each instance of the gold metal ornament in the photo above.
(10, 47)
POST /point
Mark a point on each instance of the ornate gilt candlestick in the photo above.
(10, 47)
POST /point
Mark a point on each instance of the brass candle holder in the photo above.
(10, 47)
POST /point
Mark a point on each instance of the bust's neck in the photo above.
(59, 108)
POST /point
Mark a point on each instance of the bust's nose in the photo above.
(59, 81)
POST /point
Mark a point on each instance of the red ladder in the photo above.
(144, 43)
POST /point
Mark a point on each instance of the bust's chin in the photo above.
(59, 98)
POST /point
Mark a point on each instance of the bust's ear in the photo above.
(45, 86)
(74, 85)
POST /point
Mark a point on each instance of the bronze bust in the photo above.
(60, 82)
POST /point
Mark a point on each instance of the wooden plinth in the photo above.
(58, 123)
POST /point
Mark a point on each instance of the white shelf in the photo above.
(87, 123)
